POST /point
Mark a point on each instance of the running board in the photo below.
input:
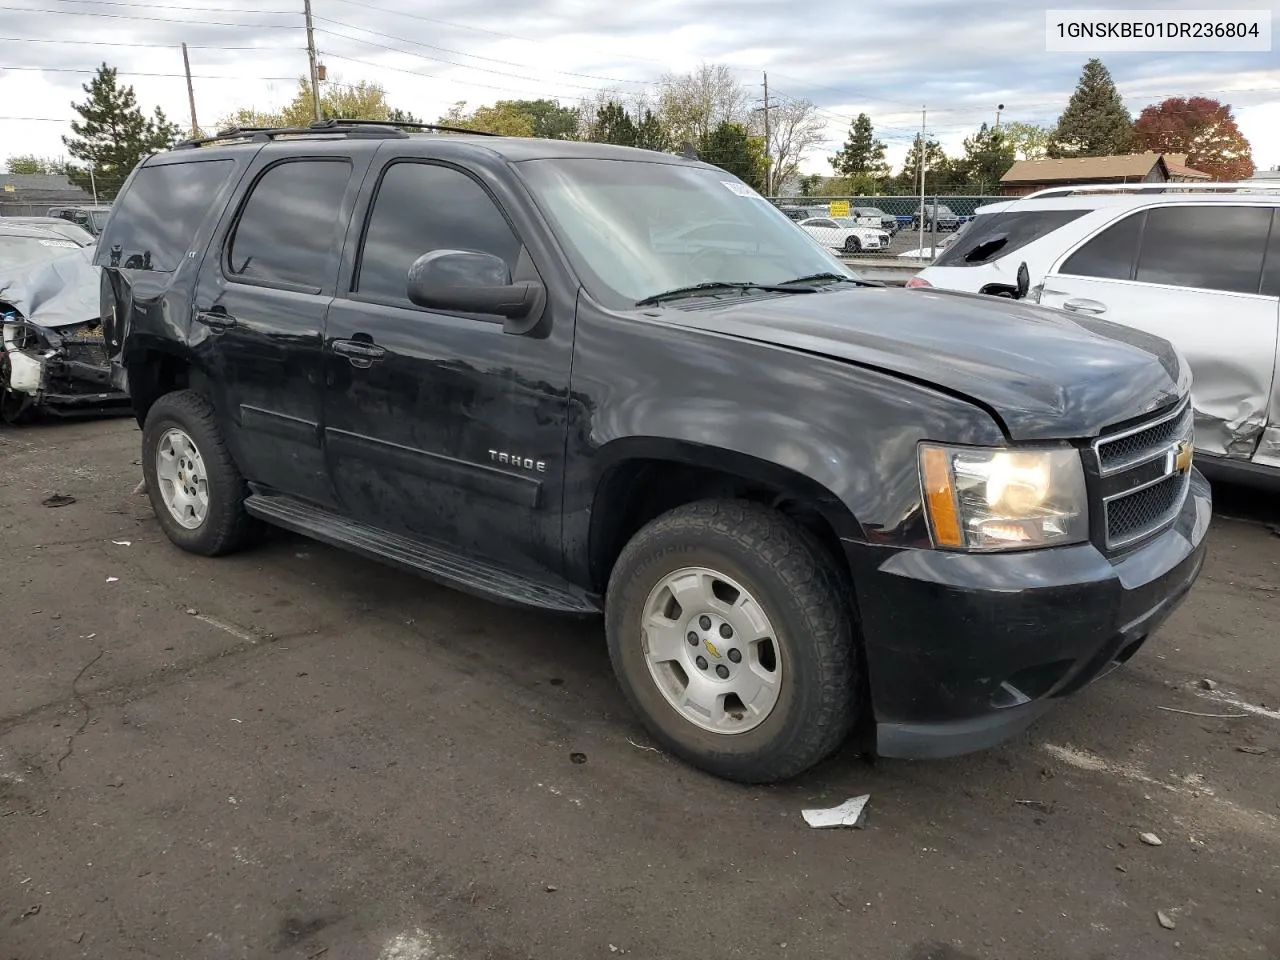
(431, 560)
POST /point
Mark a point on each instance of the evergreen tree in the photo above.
(114, 135)
(1095, 123)
(862, 153)
(731, 147)
(938, 169)
(987, 158)
(614, 125)
(397, 115)
(651, 134)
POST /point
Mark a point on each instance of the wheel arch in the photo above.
(639, 478)
(159, 367)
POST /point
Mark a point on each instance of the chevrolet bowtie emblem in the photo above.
(1182, 456)
(711, 649)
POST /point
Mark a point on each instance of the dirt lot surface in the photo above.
(295, 753)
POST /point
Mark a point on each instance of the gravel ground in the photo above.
(295, 753)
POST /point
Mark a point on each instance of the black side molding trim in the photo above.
(475, 477)
(434, 560)
(280, 425)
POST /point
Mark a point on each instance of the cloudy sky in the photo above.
(958, 59)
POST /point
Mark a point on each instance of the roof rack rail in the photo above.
(361, 129)
(1241, 186)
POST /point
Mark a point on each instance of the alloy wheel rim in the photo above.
(184, 485)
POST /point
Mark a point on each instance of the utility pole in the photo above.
(768, 155)
(999, 108)
(191, 93)
(311, 56)
(921, 159)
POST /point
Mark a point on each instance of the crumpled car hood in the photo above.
(57, 292)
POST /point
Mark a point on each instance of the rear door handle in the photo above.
(361, 353)
(1092, 307)
(216, 318)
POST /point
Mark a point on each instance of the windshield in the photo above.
(846, 221)
(635, 229)
(21, 251)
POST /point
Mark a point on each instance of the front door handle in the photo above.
(216, 318)
(1091, 307)
(361, 353)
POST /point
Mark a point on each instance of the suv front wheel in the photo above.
(195, 489)
(732, 636)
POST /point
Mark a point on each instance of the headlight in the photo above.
(980, 498)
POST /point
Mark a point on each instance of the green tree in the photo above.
(1095, 123)
(810, 183)
(731, 147)
(501, 118)
(862, 153)
(693, 105)
(939, 170)
(113, 135)
(550, 120)
(987, 158)
(614, 125)
(343, 101)
(402, 116)
(1029, 141)
(651, 134)
(30, 163)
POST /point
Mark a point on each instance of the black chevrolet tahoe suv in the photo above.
(601, 380)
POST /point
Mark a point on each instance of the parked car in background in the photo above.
(52, 354)
(1197, 265)
(92, 218)
(874, 216)
(843, 234)
(57, 225)
(945, 217)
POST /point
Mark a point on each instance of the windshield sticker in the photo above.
(740, 189)
(57, 243)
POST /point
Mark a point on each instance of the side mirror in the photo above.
(1024, 281)
(466, 281)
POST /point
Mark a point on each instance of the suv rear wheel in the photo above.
(732, 638)
(195, 489)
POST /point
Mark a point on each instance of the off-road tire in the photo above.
(226, 527)
(803, 593)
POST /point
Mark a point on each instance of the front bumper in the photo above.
(966, 650)
(62, 371)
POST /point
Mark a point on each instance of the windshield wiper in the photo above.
(812, 278)
(710, 285)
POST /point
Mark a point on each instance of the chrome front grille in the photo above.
(1144, 475)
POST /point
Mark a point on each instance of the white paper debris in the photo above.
(123, 543)
(848, 814)
(112, 579)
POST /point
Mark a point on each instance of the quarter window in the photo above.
(288, 229)
(995, 235)
(421, 208)
(157, 218)
(1111, 254)
(1210, 247)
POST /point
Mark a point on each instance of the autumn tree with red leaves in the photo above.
(1201, 128)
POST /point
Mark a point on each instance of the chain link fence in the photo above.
(886, 227)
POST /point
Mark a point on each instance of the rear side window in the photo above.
(1110, 255)
(421, 208)
(288, 230)
(993, 236)
(1271, 269)
(154, 223)
(1213, 248)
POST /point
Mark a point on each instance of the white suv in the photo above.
(1197, 265)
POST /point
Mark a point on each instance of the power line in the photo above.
(166, 6)
(493, 33)
(164, 46)
(123, 16)
(474, 56)
(433, 76)
(134, 73)
(40, 119)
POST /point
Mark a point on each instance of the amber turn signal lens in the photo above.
(939, 497)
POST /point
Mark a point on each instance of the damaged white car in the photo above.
(54, 358)
(1197, 264)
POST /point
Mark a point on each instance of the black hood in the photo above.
(1044, 373)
